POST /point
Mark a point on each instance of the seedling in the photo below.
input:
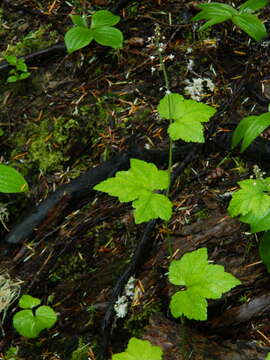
(19, 71)
(11, 181)
(216, 13)
(101, 30)
(187, 116)
(139, 350)
(30, 324)
(140, 183)
(252, 203)
(249, 128)
(201, 281)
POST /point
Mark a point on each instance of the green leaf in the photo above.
(12, 79)
(29, 325)
(249, 128)
(104, 18)
(21, 65)
(139, 350)
(264, 249)
(11, 181)
(190, 304)
(24, 76)
(108, 36)
(170, 107)
(187, 130)
(2, 132)
(188, 115)
(28, 302)
(252, 199)
(46, 316)
(77, 38)
(251, 25)
(139, 184)
(268, 356)
(26, 325)
(258, 222)
(253, 5)
(215, 20)
(79, 20)
(11, 59)
(152, 206)
(202, 281)
(214, 9)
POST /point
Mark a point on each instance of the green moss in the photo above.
(137, 321)
(81, 353)
(35, 40)
(45, 142)
(69, 267)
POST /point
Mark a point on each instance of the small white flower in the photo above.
(189, 50)
(153, 69)
(121, 307)
(152, 57)
(195, 88)
(171, 56)
(190, 64)
(168, 92)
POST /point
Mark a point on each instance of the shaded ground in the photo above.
(77, 111)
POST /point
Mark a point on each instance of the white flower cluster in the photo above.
(195, 88)
(121, 305)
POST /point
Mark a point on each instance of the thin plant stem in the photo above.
(167, 86)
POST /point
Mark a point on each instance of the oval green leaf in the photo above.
(251, 25)
(26, 325)
(104, 18)
(108, 36)
(28, 302)
(46, 316)
(77, 38)
(11, 181)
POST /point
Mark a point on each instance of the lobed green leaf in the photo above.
(251, 200)
(202, 280)
(139, 184)
(139, 350)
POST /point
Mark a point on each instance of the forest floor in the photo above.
(77, 111)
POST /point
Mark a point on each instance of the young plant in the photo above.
(139, 350)
(201, 281)
(30, 324)
(140, 183)
(252, 203)
(187, 116)
(101, 30)
(19, 71)
(216, 13)
(249, 128)
(11, 181)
